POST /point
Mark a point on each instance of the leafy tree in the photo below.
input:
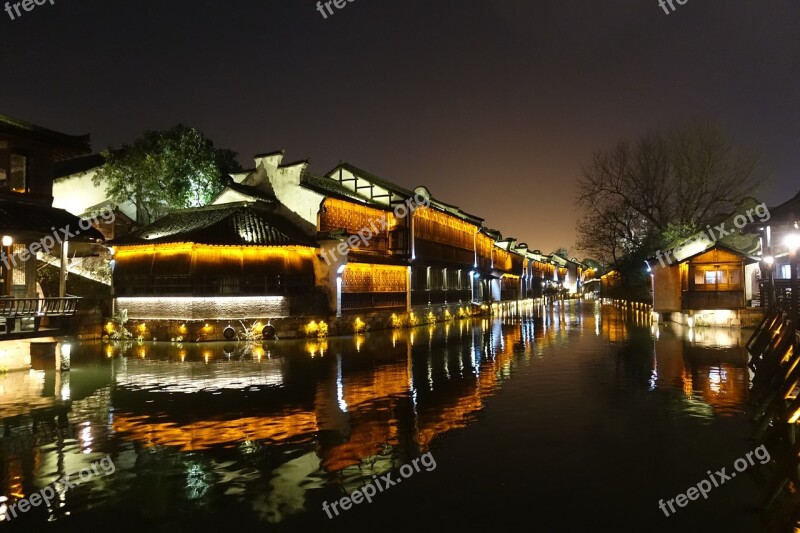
(639, 196)
(165, 170)
(561, 252)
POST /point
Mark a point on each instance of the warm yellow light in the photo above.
(359, 326)
(793, 241)
(258, 351)
(7, 240)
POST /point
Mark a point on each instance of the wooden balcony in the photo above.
(24, 314)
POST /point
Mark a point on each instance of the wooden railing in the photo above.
(783, 292)
(38, 307)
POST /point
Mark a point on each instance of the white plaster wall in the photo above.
(188, 308)
(286, 185)
(78, 193)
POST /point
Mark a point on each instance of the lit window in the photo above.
(18, 270)
(19, 173)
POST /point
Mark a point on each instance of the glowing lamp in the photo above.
(7, 240)
(769, 260)
(792, 241)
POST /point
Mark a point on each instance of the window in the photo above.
(718, 278)
(19, 173)
(18, 268)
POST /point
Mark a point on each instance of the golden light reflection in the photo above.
(203, 434)
(316, 348)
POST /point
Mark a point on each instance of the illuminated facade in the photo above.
(368, 245)
(237, 260)
(448, 254)
(709, 287)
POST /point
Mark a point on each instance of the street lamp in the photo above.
(7, 242)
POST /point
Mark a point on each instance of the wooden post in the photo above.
(62, 274)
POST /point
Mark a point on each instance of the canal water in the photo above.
(572, 418)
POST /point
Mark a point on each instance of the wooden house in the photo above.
(709, 286)
(230, 261)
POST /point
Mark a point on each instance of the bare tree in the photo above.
(636, 193)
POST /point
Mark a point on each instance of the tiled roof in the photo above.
(23, 221)
(77, 165)
(250, 190)
(242, 223)
(787, 212)
(64, 146)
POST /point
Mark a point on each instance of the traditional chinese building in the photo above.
(240, 260)
(416, 255)
(367, 244)
(74, 190)
(707, 285)
(32, 229)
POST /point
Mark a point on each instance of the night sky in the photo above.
(495, 105)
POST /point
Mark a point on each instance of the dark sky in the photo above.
(495, 105)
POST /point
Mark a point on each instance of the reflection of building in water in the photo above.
(709, 364)
(321, 411)
(204, 434)
(55, 435)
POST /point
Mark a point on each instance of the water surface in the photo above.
(571, 418)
